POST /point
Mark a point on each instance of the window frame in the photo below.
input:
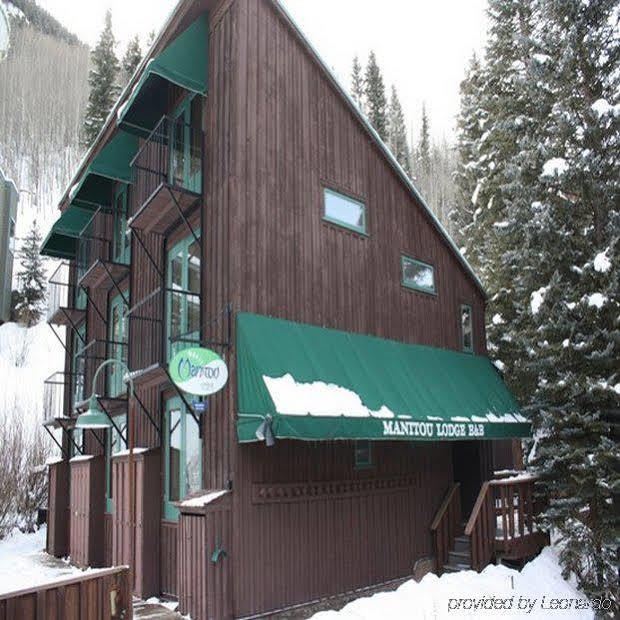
(121, 421)
(115, 385)
(413, 287)
(363, 464)
(471, 327)
(336, 222)
(121, 243)
(182, 245)
(170, 511)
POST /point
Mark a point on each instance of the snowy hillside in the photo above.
(27, 358)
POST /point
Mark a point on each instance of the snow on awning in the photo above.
(183, 62)
(322, 384)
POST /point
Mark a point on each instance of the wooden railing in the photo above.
(100, 595)
(446, 524)
(502, 522)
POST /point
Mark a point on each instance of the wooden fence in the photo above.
(446, 524)
(100, 595)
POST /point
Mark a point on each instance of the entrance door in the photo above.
(466, 464)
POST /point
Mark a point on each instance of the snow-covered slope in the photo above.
(27, 358)
(525, 594)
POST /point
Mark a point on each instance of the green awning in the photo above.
(184, 62)
(112, 164)
(322, 384)
(61, 241)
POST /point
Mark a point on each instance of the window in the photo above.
(77, 445)
(467, 330)
(363, 454)
(186, 140)
(114, 445)
(183, 295)
(183, 455)
(120, 239)
(117, 336)
(344, 211)
(418, 275)
(77, 365)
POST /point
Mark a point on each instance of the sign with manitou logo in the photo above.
(198, 371)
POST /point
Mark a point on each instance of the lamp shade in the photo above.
(93, 418)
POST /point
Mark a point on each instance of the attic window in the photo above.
(418, 275)
(344, 211)
(467, 329)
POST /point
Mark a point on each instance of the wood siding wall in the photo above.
(57, 542)
(168, 558)
(86, 544)
(205, 586)
(147, 515)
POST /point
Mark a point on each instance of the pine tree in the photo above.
(103, 84)
(31, 298)
(375, 97)
(357, 84)
(150, 39)
(470, 122)
(398, 132)
(570, 266)
(132, 58)
(424, 146)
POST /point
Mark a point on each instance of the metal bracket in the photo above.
(94, 305)
(62, 452)
(116, 428)
(70, 437)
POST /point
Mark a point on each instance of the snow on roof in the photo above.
(82, 457)
(203, 500)
(126, 452)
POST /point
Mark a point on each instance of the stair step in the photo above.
(462, 543)
(455, 568)
(459, 557)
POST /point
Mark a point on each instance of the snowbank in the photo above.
(24, 563)
(455, 594)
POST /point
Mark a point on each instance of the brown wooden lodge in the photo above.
(237, 200)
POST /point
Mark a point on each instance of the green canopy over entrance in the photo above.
(111, 165)
(319, 383)
(184, 62)
(61, 241)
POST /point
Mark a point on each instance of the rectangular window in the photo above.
(467, 330)
(344, 211)
(183, 456)
(114, 444)
(78, 364)
(121, 243)
(418, 275)
(363, 453)
(117, 343)
(183, 295)
(12, 235)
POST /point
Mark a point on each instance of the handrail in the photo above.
(509, 501)
(444, 505)
(445, 525)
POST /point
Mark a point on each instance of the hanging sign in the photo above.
(198, 371)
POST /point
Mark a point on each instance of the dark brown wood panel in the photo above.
(86, 544)
(57, 543)
(168, 558)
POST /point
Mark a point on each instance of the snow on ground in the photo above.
(454, 595)
(24, 563)
(27, 358)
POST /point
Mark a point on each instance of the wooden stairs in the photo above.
(501, 526)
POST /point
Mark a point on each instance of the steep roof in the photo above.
(174, 17)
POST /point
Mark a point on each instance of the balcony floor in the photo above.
(160, 212)
(67, 317)
(104, 274)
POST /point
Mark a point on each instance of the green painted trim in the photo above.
(413, 287)
(360, 464)
(170, 511)
(181, 246)
(362, 230)
(120, 421)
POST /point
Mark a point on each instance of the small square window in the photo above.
(418, 275)
(363, 453)
(344, 211)
(467, 331)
